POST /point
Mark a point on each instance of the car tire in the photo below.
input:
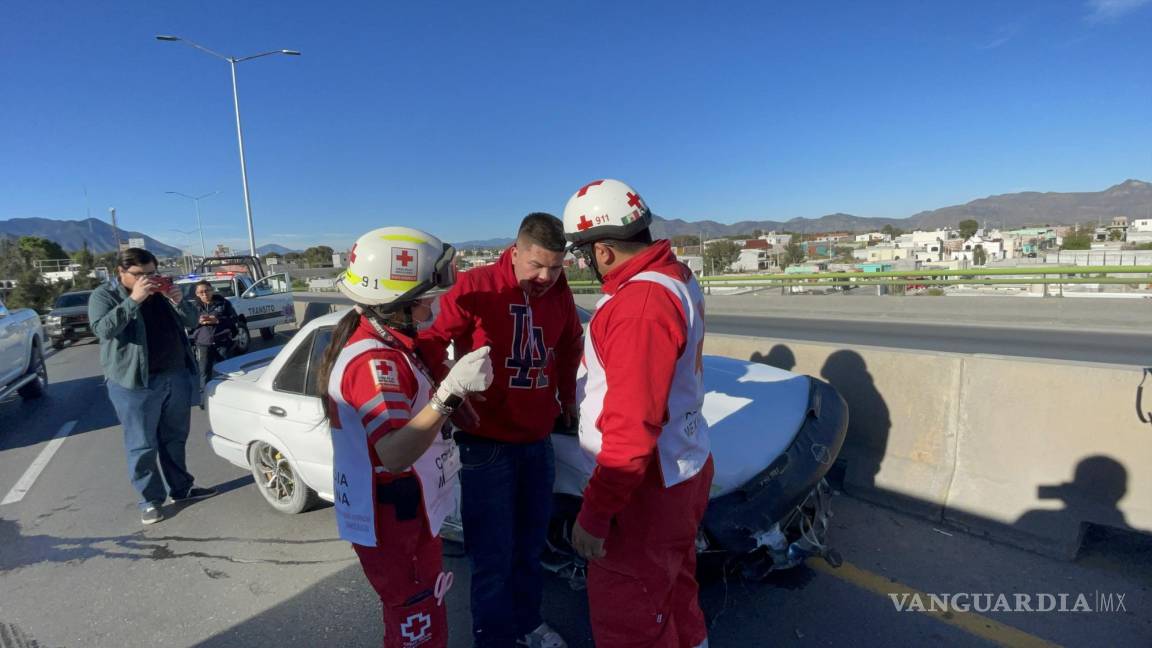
(58, 343)
(242, 340)
(267, 333)
(278, 481)
(37, 387)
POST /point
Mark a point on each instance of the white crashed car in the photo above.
(774, 436)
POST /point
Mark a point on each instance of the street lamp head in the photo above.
(166, 37)
(290, 52)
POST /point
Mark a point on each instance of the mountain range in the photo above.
(1131, 198)
(72, 234)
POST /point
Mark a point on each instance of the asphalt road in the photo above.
(1086, 346)
(77, 569)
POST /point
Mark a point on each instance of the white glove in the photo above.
(471, 373)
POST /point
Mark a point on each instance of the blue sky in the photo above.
(461, 117)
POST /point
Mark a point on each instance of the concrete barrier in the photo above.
(1026, 451)
(1045, 447)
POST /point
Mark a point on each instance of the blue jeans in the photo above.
(155, 422)
(506, 503)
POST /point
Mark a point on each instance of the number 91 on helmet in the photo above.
(392, 266)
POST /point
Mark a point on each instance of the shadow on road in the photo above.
(23, 550)
(25, 423)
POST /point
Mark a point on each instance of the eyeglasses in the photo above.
(587, 251)
(141, 273)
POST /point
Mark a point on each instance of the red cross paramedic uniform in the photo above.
(377, 385)
(641, 417)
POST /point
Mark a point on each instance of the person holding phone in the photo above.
(140, 320)
(215, 326)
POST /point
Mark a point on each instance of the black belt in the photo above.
(403, 494)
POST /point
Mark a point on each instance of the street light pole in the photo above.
(243, 165)
(196, 201)
(232, 61)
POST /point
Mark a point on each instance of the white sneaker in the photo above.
(542, 637)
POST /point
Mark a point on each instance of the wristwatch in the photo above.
(447, 406)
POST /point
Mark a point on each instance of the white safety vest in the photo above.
(354, 488)
(684, 444)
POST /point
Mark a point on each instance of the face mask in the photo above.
(424, 326)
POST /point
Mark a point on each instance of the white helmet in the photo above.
(395, 265)
(604, 209)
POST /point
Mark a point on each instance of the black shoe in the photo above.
(151, 515)
(195, 493)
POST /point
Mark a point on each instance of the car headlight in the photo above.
(53, 320)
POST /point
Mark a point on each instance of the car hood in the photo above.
(248, 367)
(71, 311)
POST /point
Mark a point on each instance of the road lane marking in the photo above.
(25, 484)
(970, 622)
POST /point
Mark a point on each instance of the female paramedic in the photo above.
(394, 462)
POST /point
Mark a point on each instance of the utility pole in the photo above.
(115, 230)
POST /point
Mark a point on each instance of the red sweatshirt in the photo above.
(638, 335)
(536, 348)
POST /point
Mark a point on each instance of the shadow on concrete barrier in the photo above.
(1025, 451)
(310, 310)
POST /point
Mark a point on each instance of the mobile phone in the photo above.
(162, 283)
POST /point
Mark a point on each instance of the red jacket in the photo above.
(533, 373)
(638, 335)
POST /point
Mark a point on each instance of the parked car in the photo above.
(774, 437)
(68, 319)
(22, 367)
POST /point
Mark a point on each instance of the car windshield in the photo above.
(71, 300)
(223, 287)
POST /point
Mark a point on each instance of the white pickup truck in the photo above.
(22, 366)
(263, 303)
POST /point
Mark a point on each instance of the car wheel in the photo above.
(278, 481)
(242, 339)
(58, 343)
(267, 333)
(36, 388)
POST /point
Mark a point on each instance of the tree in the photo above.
(40, 249)
(844, 254)
(1116, 235)
(320, 255)
(720, 255)
(1081, 239)
(757, 233)
(87, 261)
(979, 256)
(684, 240)
(31, 291)
(13, 260)
(793, 254)
(84, 257)
(892, 231)
(968, 228)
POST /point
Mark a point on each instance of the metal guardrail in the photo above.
(945, 277)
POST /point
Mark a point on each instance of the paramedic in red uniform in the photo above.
(640, 417)
(394, 462)
(521, 307)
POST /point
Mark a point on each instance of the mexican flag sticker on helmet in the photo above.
(405, 264)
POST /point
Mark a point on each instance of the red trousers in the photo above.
(644, 591)
(402, 568)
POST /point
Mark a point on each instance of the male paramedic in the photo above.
(522, 308)
(641, 418)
